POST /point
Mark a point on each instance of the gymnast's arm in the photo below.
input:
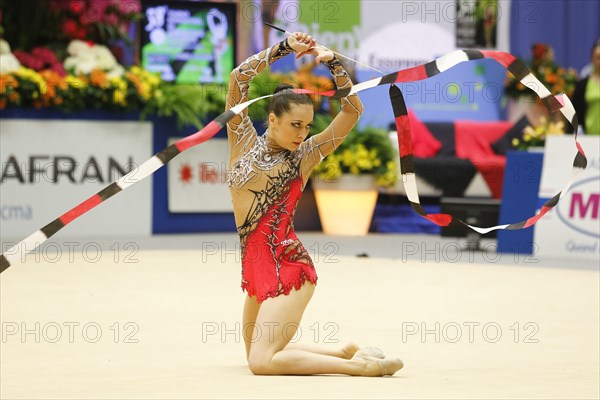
(322, 144)
(240, 126)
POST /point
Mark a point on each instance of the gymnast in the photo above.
(266, 179)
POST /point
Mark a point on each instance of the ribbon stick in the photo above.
(326, 48)
(521, 72)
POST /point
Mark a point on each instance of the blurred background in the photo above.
(91, 88)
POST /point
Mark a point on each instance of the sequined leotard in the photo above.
(266, 184)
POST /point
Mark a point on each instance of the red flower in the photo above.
(21, 56)
(76, 7)
(28, 60)
(81, 33)
(539, 51)
(45, 55)
(84, 20)
(69, 28)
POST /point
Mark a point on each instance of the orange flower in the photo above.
(49, 93)
(98, 78)
(53, 79)
(2, 104)
(134, 80)
(7, 81)
(324, 83)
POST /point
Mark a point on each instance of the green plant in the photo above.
(535, 136)
(136, 90)
(366, 151)
(187, 102)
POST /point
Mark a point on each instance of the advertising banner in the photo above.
(198, 179)
(572, 229)
(49, 166)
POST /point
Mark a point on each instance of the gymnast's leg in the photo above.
(251, 307)
(268, 357)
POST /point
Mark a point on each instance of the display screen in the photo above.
(189, 41)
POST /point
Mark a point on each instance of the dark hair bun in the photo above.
(280, 103)
(282, 86)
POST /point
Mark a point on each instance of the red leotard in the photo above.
(265, 184)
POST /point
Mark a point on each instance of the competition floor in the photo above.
(159, 318)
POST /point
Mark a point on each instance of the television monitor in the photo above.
(189, 41)
(482, 212)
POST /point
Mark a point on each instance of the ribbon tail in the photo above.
(17, 252)
(407, 168)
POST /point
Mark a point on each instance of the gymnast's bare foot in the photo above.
(351, 348)
(374, 366)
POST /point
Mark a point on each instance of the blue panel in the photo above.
(469, 91)
(569, 26)
(519, 199)
(164, 221)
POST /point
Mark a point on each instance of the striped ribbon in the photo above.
(521, 72)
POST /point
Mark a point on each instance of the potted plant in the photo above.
(346, 182)
(522, 100)
(534, 137)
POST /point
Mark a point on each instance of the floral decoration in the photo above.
(556, 78)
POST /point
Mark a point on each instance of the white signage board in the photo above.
(572, 229)
(197, 178)
(49, 166)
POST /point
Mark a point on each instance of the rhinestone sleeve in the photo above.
(240, 127)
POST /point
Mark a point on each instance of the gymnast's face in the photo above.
(291, 128)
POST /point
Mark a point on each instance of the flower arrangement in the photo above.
(91, 78)
(100, 20)
(67, 58)
(542, 65)
(536, 136)
(366, 151)
(84, 57)
(54, 22)
(40, 58)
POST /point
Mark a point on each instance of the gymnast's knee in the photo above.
(259, 364)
